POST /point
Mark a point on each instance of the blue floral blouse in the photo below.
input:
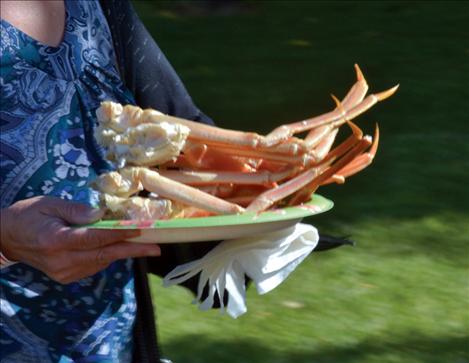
(47, 114)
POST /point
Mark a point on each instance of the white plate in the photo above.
(215, 233)
(218, 227)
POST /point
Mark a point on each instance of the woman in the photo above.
(77, 294)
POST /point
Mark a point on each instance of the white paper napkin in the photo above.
(267, 259)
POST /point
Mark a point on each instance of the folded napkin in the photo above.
(267, 259)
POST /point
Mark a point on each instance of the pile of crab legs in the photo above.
(206, 170)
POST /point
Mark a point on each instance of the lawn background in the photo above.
(400, 295)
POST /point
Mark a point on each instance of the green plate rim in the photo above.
(317, 204)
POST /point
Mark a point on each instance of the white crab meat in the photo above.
(122, 183)
(137, 207)
(141, 144)
(288, 167)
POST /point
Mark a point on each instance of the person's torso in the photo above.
(47, 117)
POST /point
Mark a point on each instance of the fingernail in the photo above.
(95, 213)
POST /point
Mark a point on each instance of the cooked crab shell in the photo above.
(138, 208)
(142, 144)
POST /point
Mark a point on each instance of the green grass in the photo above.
(400, 295)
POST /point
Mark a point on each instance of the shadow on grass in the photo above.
(197, 349)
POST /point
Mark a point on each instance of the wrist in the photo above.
(5, 262)
(7, 253)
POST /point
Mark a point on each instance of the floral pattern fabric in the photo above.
(49, 96)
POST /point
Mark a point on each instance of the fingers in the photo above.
(71, 212)
(87, 239)
(56, 235)
(73, 266)
(117, 251)
(67, 253)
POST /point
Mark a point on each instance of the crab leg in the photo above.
(205, 178)
(114, 116)
(358, 91)
(358, 164)
(167, 188)
(301, 159)
(341, 149)
(230, 164)
(243, 201)
(320, 152)
(244, 195)
(270, 165)
(356, 95)
(307, 181)
(334, 118)
(368, 102)
(266, 199)
(305, 193)
(219, 170)
(353, 97)
(243, 140)
(249, 140)
(200, 156)
(219, 190)
(315, 136)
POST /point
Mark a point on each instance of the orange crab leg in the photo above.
(212, 135)
(356, 95)
(269, 197)
(305, 193)
(201, 156)
(353, 97)
(272, 166)
(335, 118)
(221, 191)
(167, 188)
(358, 164)
(358, 91)
(243, 200)
(244, 195)
(341, 149)
(219, 177)
(264, 154)
(305, 182)
(320, 152)
(279, 141)
(316, 135)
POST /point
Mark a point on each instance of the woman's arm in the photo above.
(38, 232)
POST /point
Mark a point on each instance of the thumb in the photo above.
(73, 212)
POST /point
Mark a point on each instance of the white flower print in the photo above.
(65, 195)
(79, 166)
(47, 187)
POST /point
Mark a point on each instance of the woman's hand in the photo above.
(37, 232)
